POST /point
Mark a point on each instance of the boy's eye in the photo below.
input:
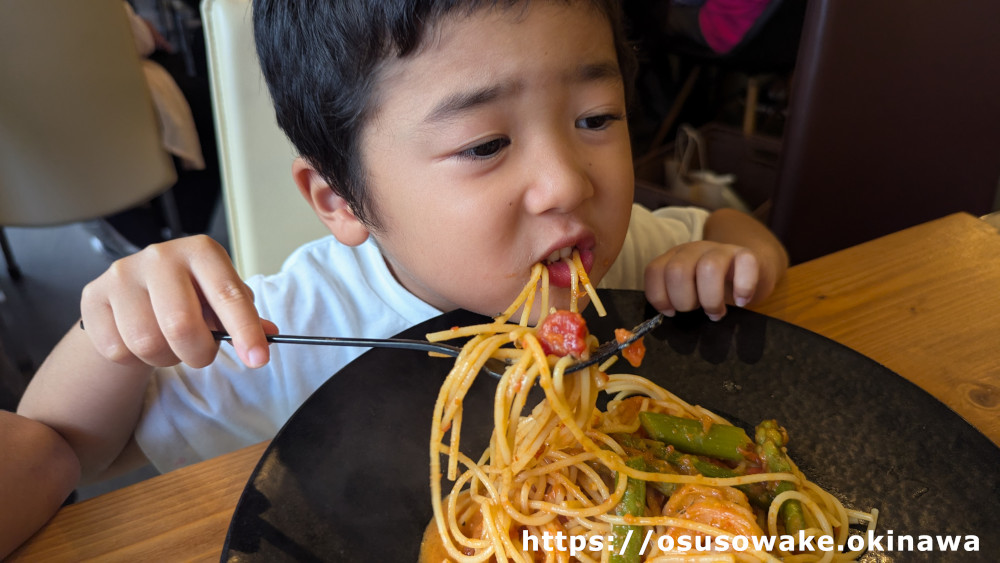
(487, 149)
(597, 122)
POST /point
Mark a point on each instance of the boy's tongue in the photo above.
(559, 274)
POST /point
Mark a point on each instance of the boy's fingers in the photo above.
(269, 327)
(746, 274)
(230, 299)
(710, 279)
(675, 277)
(655, 284)
(180, 318)
(103, 332)
(136, 322)
(118, 320)
(679, 275)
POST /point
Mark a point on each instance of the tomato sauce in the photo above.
(635, 351)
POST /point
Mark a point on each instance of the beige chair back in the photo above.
(267, 217)
(79, 137)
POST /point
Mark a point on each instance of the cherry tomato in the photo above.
(563, 333)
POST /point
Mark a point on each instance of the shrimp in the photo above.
(724, 508)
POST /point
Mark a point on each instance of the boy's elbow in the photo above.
(39, 472)
(48, 451)
(37, 446)
(63, 470)
(53, 464)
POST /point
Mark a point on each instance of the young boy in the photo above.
(448, 147)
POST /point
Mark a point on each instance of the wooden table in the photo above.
(925, 302)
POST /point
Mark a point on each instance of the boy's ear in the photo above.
(331, 209)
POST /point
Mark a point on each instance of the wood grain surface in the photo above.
(924, 302)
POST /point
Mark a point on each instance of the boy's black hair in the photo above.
(321, 59)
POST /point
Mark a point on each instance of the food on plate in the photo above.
(635, 351)
(647, 478)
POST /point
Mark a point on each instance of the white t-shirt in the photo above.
(651, 233)
(326, 288)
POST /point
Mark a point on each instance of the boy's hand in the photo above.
(702, 274)
(738, 261)
(159, 306)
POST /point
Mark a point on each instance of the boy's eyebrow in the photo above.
(462, 101)
(598, 72)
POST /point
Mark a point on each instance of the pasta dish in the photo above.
(649, 478)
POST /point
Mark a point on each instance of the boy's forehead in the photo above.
(488, 46)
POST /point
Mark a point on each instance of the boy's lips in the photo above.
(559, 271)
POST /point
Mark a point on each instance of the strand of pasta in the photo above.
(536, 275)
(772, 515)
(574, 281)
(503, 409)
(471, 330)
(469, 366)
(673, 522)
(452, 524)
(544, 310)
(626, 384)
(581, 272)
(453, 501)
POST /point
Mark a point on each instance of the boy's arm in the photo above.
(38, 471)
(738, 261)
(92, 403)
(154, 308)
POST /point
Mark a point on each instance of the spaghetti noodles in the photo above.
(565, 467)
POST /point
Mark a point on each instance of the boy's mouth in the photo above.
(559, 261)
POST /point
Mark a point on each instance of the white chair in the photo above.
(79, 137)
(267, 218)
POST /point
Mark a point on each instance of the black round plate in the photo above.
(346, 479)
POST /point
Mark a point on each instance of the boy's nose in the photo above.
(560, 180)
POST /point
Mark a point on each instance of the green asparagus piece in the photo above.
(659, 466)
(633, 503)
(688, 435)
(754, 491)
(655, 465)
(770, 438)
(659, 450)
